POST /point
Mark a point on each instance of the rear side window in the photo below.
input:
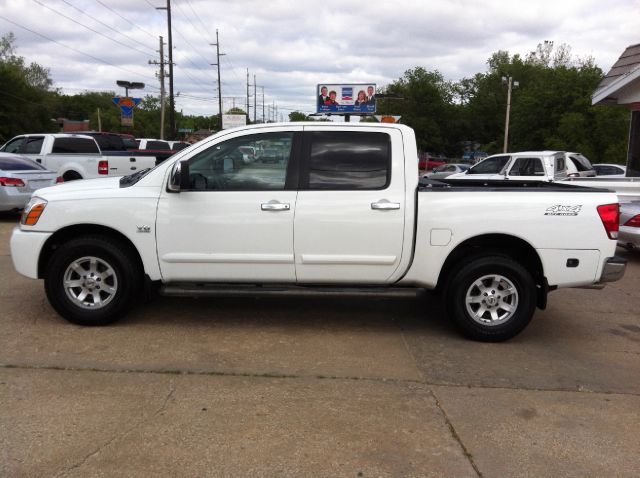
(343, 160)
(560, 166)
(527, 167)
(75, 145)
(157, 145)
(19, 164)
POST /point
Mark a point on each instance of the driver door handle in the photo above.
(385, 205)
(275, 206)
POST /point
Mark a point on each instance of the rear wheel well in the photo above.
(79, 230)
(501, 244)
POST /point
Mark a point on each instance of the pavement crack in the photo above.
(409, 352)
(219, 373)
(117, 436)
(455, 434)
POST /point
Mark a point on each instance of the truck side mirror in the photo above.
(179, 179)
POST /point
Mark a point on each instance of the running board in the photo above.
(241, 290)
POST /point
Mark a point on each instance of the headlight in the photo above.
(32, 211)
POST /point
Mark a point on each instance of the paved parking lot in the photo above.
(339, 387)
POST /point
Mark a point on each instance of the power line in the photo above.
(91, 29)
(108, 26)
(75, 49)
(199, 19)
(126, 19)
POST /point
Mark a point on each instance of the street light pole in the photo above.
(511, 84)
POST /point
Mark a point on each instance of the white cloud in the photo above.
(292, 45)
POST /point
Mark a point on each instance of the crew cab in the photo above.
(74, 156)
(528, 165)
(341, 211)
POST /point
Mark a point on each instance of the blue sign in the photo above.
(346, 99)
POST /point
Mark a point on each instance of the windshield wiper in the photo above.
(133, 178)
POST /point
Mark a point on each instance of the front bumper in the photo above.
(26, 247)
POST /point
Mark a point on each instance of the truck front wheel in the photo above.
(92, 280)
(491, 298)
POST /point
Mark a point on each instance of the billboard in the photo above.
(352, 99)
(233, 121)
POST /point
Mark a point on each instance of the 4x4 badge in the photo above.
(560, 210)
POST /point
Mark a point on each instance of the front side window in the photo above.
(527, 167)
(32, 145)
(228, 166)
(490, 165)
(343, 160)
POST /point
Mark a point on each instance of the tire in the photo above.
(93, 280)
(491, 298)
(71, 176)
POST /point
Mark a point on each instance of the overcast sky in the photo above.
(292, 45)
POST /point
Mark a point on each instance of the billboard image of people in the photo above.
(352, 99)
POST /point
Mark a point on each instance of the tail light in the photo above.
(633, 222)
(610, 217)
(12, 182)
(59, 180)
(103, 167)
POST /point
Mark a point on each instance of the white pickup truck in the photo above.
(74, 156)
(528, 165)
(340, 211)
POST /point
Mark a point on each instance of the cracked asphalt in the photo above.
(322, 387)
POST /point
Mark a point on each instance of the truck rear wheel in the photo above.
(491, 298)
(92, 280)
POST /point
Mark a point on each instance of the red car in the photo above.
(428, 162)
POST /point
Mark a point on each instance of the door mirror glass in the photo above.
(179, 178)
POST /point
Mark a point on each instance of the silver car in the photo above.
(19, 178)
(445, 170)
(629, 234)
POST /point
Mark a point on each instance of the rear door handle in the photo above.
(385, 205)
(275, 206)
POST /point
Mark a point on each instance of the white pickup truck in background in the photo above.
(548, 166)
(340, 211)
(528, 165)
(74, 156)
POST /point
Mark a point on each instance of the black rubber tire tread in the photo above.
(476, 267)
(118, 255)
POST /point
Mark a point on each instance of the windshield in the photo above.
(490, 165)
(581, 163)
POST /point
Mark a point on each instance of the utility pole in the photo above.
(218, 55)
(263, 104)
(510, 84)
(255, 99)
(172, 122)
(248, 117)
(161, 76)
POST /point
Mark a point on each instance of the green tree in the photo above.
(298, 116)
(25, 95)
(425, 102)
